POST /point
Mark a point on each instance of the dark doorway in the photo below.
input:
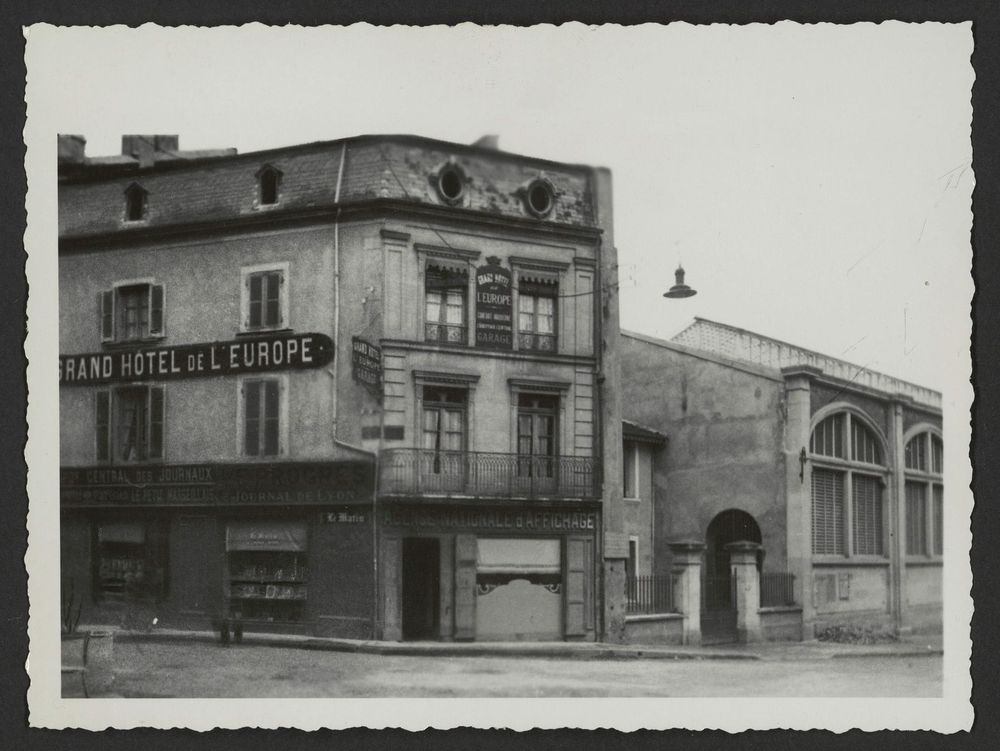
(718, 610)
(421, 569)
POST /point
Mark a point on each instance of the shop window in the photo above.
(135, 203)
(848, 477)
(924, 460)
(132, 312)
(267, 570)
(129, 424)
(268, 183)
(445, 291)
(262, 411)
(265, 298)
(630, 471)
(536, 319)
(131, 561)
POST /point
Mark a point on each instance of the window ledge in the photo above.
(923, 560)
(632, 500)
(133, 343)
(257, 332)
(845, 561)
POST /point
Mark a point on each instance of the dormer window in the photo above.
(268, 183)
(539, 197)
(451, 182)
(135, 203)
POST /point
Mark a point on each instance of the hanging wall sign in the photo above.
(366, 365)
(494, 306)
(256, 354)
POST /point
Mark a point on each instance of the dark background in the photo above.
(985, 14)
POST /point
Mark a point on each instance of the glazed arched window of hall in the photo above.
(848, 476)
(923, 457)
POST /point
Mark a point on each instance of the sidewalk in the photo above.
(910, 646)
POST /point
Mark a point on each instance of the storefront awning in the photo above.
(128, 532)
(266, 535)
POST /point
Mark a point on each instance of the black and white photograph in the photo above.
(603, 370)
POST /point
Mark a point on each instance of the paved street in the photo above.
(199, 669)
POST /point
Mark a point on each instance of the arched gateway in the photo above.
(718, 605)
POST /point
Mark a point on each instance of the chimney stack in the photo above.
(145, 148)
(490, 141)
(72, 149)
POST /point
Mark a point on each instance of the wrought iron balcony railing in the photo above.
(447, 333)
(487, 475)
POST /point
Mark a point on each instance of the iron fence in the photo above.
(487, 475)
(649, 594)
(777, 588)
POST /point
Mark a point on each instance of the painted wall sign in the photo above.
(302, 483)
(494, 306)
(366, 364)
(528, 521)
(256, 354)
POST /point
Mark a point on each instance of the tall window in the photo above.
(262, 417)
(444, 436)
(924, 460)
(129, 424)
(536, 315)
(265, 298)
(268, 181)
(445, 311)
(848, 515)
(630, 470)
(135, 203)
(536, 435)
(132, 312)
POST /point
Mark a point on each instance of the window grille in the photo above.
(828, 512)
(866, 499)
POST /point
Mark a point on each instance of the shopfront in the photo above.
(488, 573)
(283, 547)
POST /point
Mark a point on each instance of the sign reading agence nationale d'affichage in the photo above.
(246, 355)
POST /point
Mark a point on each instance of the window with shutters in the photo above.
(131, 312)
(924, 463)
(129, 424)
(848, 480)
(265, 298)
(445, 310)
(264, 418)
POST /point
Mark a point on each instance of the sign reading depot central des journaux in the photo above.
(494, 306)
(246, 355)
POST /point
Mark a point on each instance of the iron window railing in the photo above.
(649, 594)
(487, 475)
(777, 588)
(530, 342)
(447, 333)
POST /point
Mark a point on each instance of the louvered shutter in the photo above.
(156, 396)
(465, 586)
(577, 579)
(103, 425)
(156, 302)
(827, 512)
(866, 502)
(251, 417)
(106, 305)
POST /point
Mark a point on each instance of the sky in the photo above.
(815, 181)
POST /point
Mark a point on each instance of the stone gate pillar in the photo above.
(685, 572)
(746, 588)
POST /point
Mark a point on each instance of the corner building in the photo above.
(364, 388)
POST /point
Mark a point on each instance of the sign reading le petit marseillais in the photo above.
(247, 355)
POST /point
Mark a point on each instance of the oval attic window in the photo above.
(451, 183)
(539, 197)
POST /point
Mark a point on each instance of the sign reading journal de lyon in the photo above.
(494, 306)
(246, 355)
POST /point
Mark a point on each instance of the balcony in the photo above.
(465, 474)
(445, 333)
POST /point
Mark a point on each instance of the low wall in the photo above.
(781, 623)
(659, 628)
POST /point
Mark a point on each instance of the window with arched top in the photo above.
(848, 477)
(268, 184)
(923, 458)
(135, 203)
